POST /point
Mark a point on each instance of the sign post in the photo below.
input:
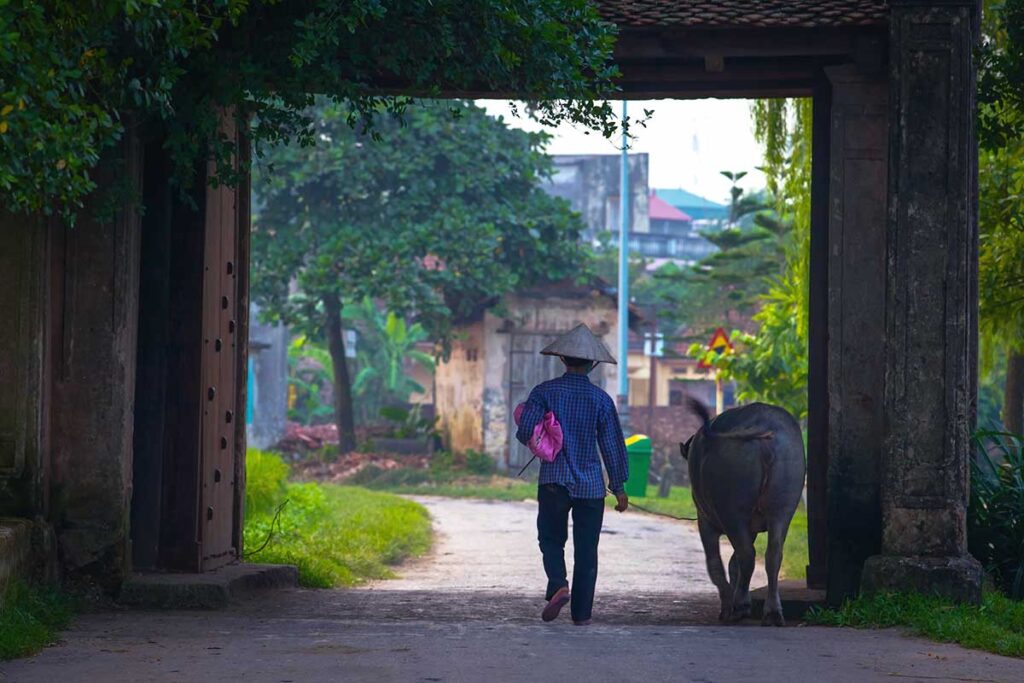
(624, 280)
(719, 344)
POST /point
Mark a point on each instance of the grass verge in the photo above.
(31, 618)
(335, 535)
(678, 504)
(997, 625)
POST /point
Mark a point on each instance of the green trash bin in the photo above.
(638, 448)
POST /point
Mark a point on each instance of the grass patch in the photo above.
(451, 484)
(997, 625)
(31, 618)
(335, 535)
(794, 554)
(484, 488)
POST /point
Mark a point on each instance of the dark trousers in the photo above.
(553, 506)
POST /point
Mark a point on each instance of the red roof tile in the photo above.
(749, 13)
(658, 208)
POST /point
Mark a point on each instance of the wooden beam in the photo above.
(694, 43)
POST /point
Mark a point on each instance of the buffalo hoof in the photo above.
(773, 619)
(739, 612)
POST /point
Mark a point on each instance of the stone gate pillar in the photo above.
(856, 239)
(931, 297)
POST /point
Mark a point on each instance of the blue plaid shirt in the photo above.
(588, 419)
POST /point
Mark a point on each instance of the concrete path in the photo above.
(492, 546)
(469, 613)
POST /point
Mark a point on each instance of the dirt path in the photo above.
(492, 546)
(469, 613)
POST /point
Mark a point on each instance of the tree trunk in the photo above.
(343, 415)
(1013, 396)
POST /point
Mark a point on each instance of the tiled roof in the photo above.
(658, 208)
(748, 13)
(681, 198)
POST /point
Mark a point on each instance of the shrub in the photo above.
(30, 619)
(479, 463)
(335, 535)
(266, 476)
(442, 465)
(996, 514)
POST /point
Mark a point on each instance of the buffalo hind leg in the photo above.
(743, 558)
(772, 564)
(713, 556)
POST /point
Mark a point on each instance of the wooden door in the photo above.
(219, 384)
(527, 369)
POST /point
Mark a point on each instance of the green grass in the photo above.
(30, 619)
(484, 488)
(997, 625)
(335, 535)
(678, 504)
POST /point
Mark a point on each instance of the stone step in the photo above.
(797, 599)
(209, 590)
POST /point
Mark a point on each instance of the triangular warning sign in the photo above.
(719, 344)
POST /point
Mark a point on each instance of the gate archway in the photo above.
(893, 300)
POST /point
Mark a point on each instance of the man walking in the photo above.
(573, 481)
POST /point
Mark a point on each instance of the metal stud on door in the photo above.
(220, 298)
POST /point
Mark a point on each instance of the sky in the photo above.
(689, 142)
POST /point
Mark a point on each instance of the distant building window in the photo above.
(471, 355)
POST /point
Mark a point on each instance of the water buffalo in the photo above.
(747, 475)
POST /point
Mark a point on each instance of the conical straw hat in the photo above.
(579, 343)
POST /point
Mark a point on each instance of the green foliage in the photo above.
(444, 218)
(1001, 192)
(479, 463)
(728, 283)
(409, 423)
(446, 469)
(771, 364)
(336, 535)
(310, 371)
(482, 488)
(266, 480)
(997, 625)
(76, 78)
(30, 618)
(386, 344)
(1001, 247)
(995, 524)
(1001, 74)
(734, 280)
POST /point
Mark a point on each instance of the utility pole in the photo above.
(624, 280)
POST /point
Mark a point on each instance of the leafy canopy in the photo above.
(771, 364)
(442, 219)
(1001, 187)
(73, 76)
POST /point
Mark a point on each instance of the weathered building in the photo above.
(267, 411)
(124, 340)
(657, 229)
(591, 185)
(495, 362)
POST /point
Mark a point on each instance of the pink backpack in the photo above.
(546, 442)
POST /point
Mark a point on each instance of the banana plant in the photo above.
(310, 370)
(387, 343)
